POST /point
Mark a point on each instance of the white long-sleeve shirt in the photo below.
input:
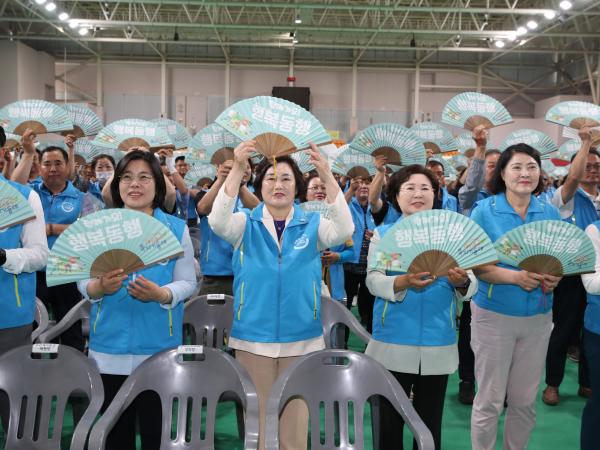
(230, 226)
(591, 281)
(33, 254)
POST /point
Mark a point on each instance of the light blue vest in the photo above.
(336, 271)
(278, 295)
(496, 217)
(122, 325)
(63, 208)
(17, 303)
(591, 319)
(362, 220)
(449, 202)
(584, 212)
(425, 317)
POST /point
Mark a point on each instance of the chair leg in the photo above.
(375, 421)
(239, 413)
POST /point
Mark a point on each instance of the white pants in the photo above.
(510, 354)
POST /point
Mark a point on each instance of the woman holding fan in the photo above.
(136, 316)
(512, 310)
(277, 270)
(414, 332)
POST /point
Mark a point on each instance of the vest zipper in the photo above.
(315, 300)
(279, 292)
(242, 254)
(207, 248)
(16, 282)
(97, 314)
(239, 311)
(385, 307)
(490, 291)
(170, 321)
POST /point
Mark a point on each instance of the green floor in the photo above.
(557, 427)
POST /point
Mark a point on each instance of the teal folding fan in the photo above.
(399, 144)
(353, 163)
(551, 247)
(12, 140)
(433, 241)
(279, 127)
(177, 133)
(466, 144)
(126, 133)
(470, 109)
(14, 207)
(213, 144)
(567, 150)
(435, 137)
(198, 171)
(85, 121)
(574, 114)
(40, 116)
(316, 206)
(107, 240)
(88, 150)
(534, 138)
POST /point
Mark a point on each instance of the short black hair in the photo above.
(497, 183)
(402, 176)
(2, 137)
(180, 158)
(159, 179)
(54, 148)
(435, 162)
(492, 151)
(592, 151)
(264, 165)
(103, 156)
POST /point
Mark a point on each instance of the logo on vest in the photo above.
(301, 242)
(67, 207)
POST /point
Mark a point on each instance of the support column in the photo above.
(291, 80)
(479, 77)
(163, 88)
(227, 93)
(99, 84)
(353, 118)
(417, 95)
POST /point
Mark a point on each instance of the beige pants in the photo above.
(293, 423)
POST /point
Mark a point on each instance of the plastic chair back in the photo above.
(37, 387)
(41, 318)
(211, 317)
(341, 388)
(333, 313)
(81, 311)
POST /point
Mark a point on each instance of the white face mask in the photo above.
(103, 177)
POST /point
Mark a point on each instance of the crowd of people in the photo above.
(277, 260)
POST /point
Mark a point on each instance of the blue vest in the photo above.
(215, 252)
(278, 294)
(496, 217)
(584, 212)
(18, 291)
(391, 216)
(191, 208)
(95, 189)
(362, 221)
(425, 317)
(449, 202)
(336, 271)
(63, 208)
(122, 325)
(591, 321)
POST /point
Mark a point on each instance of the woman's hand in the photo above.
(112, 281)
(413, 280)
(147, 291)
(480, 135)
(549, 283)
(70, 141)
(528, 280)
(328, 257)
(28, 142)
(379, 162)
(242, 153)
(318, 160)
(457, 277)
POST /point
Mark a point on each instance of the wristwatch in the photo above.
(464, 286)
(2, 256)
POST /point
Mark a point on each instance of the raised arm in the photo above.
(377, 184)
(23, 169)
(577, 169)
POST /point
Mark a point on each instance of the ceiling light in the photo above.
(73, 23)
(521, 31)
(550, 14)
(50, 6)
(83, 31)
(40, 2)
(298, 20)
(295, 41)
(499, 44)
(512, 36)
(565, 4)
(532, 25)
(63, 16)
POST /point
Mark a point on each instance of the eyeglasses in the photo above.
(283, 180)
(317, 188)
(412, 190)
(142, 179)
(590, 167)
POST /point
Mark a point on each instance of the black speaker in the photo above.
(298, 95)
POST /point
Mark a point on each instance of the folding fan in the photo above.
(353, 163)
(12, 140)
(198, 171)
(434, 241)
(459, 161)
(279, 127)
(126, 133)
(399, 144)
(536, 139)
(41, 116)
(566, 152)
(435, 137)
(469, 109)
(108, 240)
(466, 144)
(303, 160)
(14, 207)
(316, 206)
(212, 144)
(85, 121)
(574, 114)
(176, 132)
(551, 247)
(88, 150)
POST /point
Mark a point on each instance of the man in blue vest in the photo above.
(182, 168)
(23, 251)
(578, 201)
(61, 202)
(443, 200)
